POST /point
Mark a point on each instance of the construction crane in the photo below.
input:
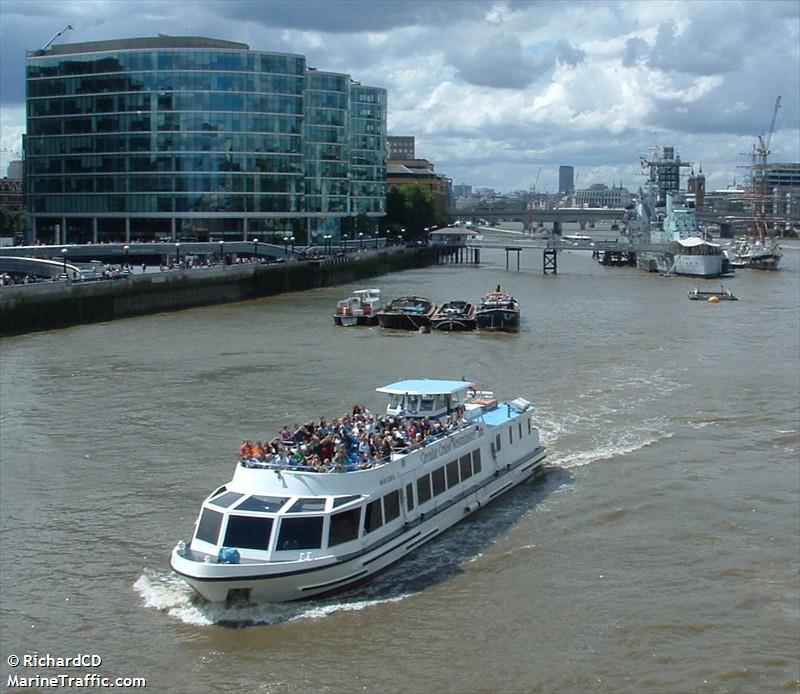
(536, 181)
(49, 43)
(760, 168)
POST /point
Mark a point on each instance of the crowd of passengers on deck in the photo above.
(356, 441)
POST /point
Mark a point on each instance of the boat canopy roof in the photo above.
(694, 241)
(425, 386)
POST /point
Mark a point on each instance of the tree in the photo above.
(410, 207)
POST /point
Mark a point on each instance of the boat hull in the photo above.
(498, 320)
(290, 581)
(404, 321)
(454, 316)
(698, 265)
(454, 324)
(350, 321)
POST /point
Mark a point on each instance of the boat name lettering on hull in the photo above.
(444, 447)
(388, 479)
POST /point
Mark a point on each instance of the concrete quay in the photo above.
(49, 305)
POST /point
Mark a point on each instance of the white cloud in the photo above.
(495, 89)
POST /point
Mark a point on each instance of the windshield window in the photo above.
(265, 504)
(209, 525)
(248, 532)
(300, 533)
(225, 500)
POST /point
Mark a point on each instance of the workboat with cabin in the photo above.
(498, 311)
(407, 313)
(279, 532)
(454, 316)
(360, 309)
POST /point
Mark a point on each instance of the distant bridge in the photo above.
(558, 216)
(620, 247)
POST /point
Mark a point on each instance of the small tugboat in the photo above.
(498, 311)
(407, 313)
(454, 315)
(280, 531)
(702, 295)
(360, 309)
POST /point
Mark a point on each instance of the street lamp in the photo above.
(361, 240)
(285, 245)
(64, 256)
(222, 251)
(255, 248)
(127, 249)
(177, 254)
(291, 240)
(327, 238)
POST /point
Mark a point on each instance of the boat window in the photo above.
(476, 461)
(265, 504)
(342, 500)
(227, 499)
(438, 481)
(373, 518)
(300, 533)
(466, 467)
(452, 474)
(497, 443)
(410, 497)
(424, 489)
(427, 403)
(510, 435)
(209, 525)
(344, 526)
(309, 505)
(395, 401)
(391, 505)
(529, 425)
(248, 532)
(412, 404)
(520, 429)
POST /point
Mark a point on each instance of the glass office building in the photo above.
(197, 138)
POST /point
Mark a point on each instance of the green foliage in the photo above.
(11, 221)
(410, 207)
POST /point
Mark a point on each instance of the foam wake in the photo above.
(165, 591)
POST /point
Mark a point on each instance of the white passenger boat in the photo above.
(359, 309)
(278, 533)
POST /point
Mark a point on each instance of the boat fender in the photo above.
(228, 555)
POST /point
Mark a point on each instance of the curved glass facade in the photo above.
(178, 136)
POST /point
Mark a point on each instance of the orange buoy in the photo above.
(713, 300)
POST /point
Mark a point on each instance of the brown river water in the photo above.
(659, 551)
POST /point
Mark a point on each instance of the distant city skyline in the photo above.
(492, 91)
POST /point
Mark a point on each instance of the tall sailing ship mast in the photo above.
(763, 224)
(762, 251)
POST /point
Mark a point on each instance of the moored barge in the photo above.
(407, 313)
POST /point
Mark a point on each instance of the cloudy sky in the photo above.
(494, 91)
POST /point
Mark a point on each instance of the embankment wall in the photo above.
(49, 305)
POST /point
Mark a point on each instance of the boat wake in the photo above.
(166, 592)
(605, 422)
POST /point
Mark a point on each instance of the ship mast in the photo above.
(759, 183)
